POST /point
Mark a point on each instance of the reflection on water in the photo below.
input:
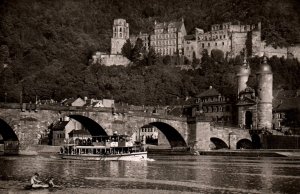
(167, 174)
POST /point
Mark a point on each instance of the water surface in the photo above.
(167, 174)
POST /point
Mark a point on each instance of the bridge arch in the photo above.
(218, 143)
(244, 144)
(7, 132)
(92, 126)
(173, 136)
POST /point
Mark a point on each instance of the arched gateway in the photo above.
(9, 138)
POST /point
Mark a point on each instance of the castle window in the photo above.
(216, 44)
(220, 37)
(208, 44)
(223, 43)
(224, 36)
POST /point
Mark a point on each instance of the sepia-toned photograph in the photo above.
(149, 96)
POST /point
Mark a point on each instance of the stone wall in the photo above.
(238, 42)
(31, 126)
(201, 133)
(282, 142)
(271, 51)
(242, 115)
(294, 51)
(110, 60)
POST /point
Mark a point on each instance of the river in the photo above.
(167, 174)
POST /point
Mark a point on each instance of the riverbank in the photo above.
(245, 153)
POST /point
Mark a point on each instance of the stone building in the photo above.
(255, 110)
(190, 46)
(215, 106)
(61, 129)
(149, 135)
(120, 35)
(167, 37)
(228, 37)
(286, 111)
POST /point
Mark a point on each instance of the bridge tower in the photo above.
(265, 95)
(242, 76)
(120, 35)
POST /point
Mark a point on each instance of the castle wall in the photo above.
(271, 51)
(190, 46)
(110, 60)
(238, 42)
(294, 51)
(116, 45)
(256, 43)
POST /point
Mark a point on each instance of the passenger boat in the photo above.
(115, 147)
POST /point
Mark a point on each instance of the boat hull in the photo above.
(130, 157)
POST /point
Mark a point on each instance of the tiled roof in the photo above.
(69, 101)
(79, 132)
(287, 104)
(60, 125)
(210, 92)
(189, 37)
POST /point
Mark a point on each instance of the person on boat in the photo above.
(35, 183)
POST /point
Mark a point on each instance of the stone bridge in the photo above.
(28, 126)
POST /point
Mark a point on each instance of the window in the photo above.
(223, 43)
(216, 44)
(224, 36)
(202, 45)
(208, 44)
(220, 37)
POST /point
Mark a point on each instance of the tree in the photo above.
(217, 55)
(151, 57)
(127, 50)
(195, 61)
(167, 60)
(137, 51)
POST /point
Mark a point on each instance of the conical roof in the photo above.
(244, 69)
(264, 67)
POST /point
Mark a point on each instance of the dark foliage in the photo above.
(45, 47)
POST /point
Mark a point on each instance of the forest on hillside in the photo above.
(45, 47)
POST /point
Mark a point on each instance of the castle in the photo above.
(170, 38)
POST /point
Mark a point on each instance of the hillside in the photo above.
(46, 44)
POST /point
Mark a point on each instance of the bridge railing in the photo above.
(119, 110)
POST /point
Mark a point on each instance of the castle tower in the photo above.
(242, 76)
(120, 35)
(265, 95)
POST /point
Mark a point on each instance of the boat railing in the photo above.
(99, 150)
